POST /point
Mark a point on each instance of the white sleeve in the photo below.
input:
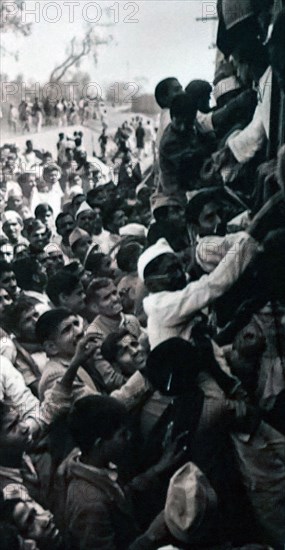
(246, 143)
(177, 306)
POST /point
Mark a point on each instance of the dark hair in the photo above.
(198, 88)
(197, 203)
(9, 536)
(76, 196)
(93, 417)
(25, 269)
(61, 216)
(33, 225)
(171, 361)
(42, 209)
(62, 282)
(162, 89)
(4, 240)
(109, 347)
(128, 256)
(5, 267)
(95, 285)
(12, 314)
(49, 322)
(50, 168)
(183, 106)
(94, 262)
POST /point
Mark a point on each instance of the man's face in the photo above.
(7, 252)
(82, 247)
(9, 282)
(41, 275)
(209, 219)
(52, 177)
(67, 336)
(77, 180)
(117, 446)
(47, 219)
(12, 230)
(131, 356)
(29, 184)
(119, 220)
(108, 301)
(54, 262)
(27, 325)
(33, 525)
(15, 434)
(38, 238)
(76, 300)
(174, 88)
(85, 221)
(106, 267)
(97, 220)
(171, 273)
(15, 202)
(65, 226)
(5, 299)
(176, 215)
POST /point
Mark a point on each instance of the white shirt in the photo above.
(170, 313)
(246, 143)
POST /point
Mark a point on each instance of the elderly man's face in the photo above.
(12, 230)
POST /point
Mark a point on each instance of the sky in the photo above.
(152, 39)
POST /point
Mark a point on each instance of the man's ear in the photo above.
(50, 348)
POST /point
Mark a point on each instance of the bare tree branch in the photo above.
(78, 50)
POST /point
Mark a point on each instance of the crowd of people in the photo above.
(31, 115)
(142, 321)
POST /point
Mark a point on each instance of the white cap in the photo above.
(159, 248)
(11, 216)
(84, 207)
(133, 229)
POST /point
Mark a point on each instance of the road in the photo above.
(48, 137)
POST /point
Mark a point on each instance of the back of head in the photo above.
(25, 268)
(184, 107)
(63, 282)
(197, 88)
(93, 261)
(95, 417)
(172, 366)
(128, 256)
(161, 91)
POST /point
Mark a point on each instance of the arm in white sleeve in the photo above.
(176, 307)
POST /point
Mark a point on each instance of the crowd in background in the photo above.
(142, 319)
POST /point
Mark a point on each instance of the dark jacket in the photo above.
(99, 514)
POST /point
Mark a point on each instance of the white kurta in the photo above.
(170, 314)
